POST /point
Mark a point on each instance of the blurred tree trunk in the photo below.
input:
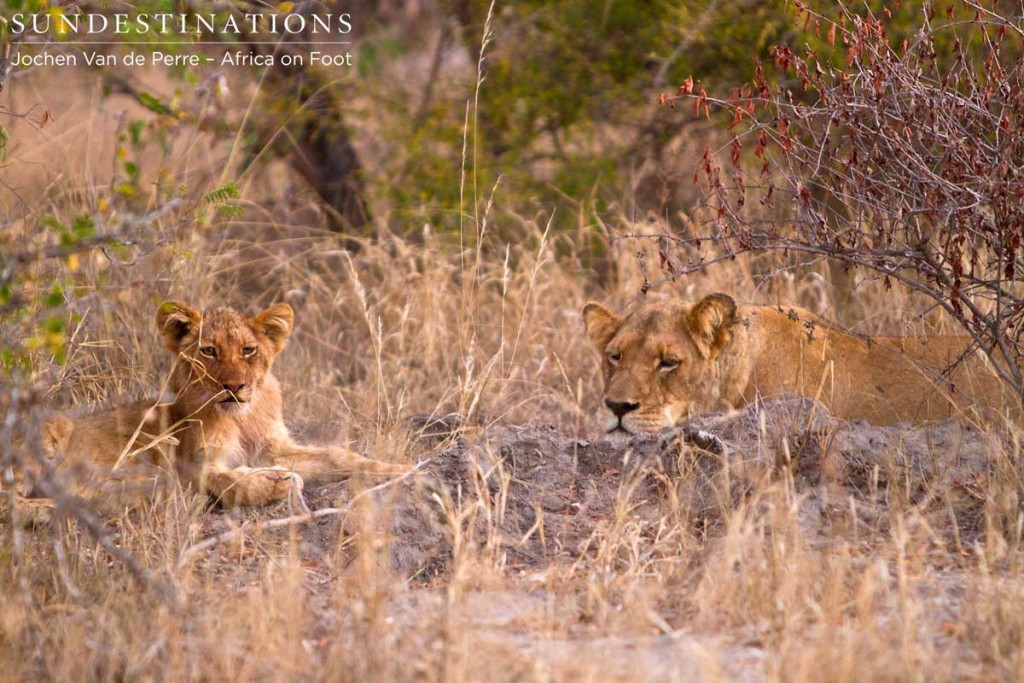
(470, 15)
(317, 144)
(308, 129)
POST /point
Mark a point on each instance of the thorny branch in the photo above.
(64, 503)
(901, 159)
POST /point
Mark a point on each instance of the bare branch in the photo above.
(303, 518)
(902, 159)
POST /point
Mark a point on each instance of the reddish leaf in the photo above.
(762, 144)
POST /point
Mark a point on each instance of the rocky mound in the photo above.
(541, 497)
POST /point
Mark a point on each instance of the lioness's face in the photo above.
(224, 357)
(660, 361)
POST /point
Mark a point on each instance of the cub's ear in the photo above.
(175, 321)
(711, 323)
(601, 324)
(276, 323)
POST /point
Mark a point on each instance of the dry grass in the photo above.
(489, 330)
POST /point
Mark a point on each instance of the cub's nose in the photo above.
(619, 408)
(233, 388)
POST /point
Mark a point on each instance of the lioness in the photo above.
(668, 360)
(223, 432)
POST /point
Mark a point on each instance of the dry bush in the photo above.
(898, 158)
(489, 330)
(401, 328)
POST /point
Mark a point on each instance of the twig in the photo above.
(49, 484)
(292, 519)
(73, 506)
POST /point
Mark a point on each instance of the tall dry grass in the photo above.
(400, 328)
(490, 330)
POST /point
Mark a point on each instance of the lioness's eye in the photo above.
(668, 364)
(248, 351)
(208, 351)
(613, 357)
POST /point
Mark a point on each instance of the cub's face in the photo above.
(224, 357)
(660, 361)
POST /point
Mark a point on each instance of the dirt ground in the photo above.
(554, 492)
(544, 505)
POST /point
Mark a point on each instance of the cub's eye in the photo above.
(248, 351)
(668, 364)
(613, 357)
(208, 351)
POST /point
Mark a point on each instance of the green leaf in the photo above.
(126, 190)
(153, 104)
(222, 194)
(83, 227)
(54, 298)
(230, 211)
(135, 129)
(54, 325)
(52, 223)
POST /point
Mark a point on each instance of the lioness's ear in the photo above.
(276, 323)
(175, 320)
(601, 324)
(711, 323)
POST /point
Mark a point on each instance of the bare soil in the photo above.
(560, 490)
(536, 502)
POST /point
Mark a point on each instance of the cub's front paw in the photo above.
(278, 484)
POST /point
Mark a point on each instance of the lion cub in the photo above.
(223, 432)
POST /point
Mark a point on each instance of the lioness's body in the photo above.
(721, 356)
(223, 432)
(879, 379)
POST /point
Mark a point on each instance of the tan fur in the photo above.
(223, 432)
(668, 360)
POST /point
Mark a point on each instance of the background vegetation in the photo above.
(437, 215)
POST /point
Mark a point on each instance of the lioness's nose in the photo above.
(234, 388)
(619, 408)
